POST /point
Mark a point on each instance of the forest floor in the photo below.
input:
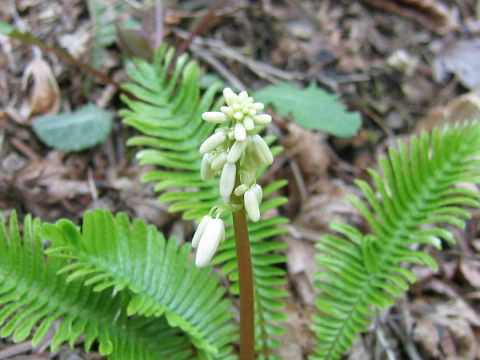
(405, 66)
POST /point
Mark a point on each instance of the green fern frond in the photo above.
(361, 274)
(34, 299)
(168, 111)
(111, 252)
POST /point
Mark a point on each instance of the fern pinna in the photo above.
(35, 298)
(167, 110)
(362, 273)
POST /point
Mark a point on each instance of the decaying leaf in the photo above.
(45, 94)
(462, 108)
(460, 57)
(433, 14)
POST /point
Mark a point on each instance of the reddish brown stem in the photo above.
(245, 278)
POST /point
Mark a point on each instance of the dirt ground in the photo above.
(405, 65)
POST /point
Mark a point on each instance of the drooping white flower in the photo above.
(236, 151)
(213, 233)
(251, 205)
(218, 161)
(262, 119)
(200, 230)
(212, 142)
(240, 132)
(206, 171)
(227, 179)
(262, 150)
(257, 190)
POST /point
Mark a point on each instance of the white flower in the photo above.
(262, 150)
(214, 117)
(206, 172)
(236, 151)
(262, 119)
(217, 161)
(213, 233)
(212, 142)
(200, 230)
(240, 132)
(251, 205)
(227, 179)
(257, 190)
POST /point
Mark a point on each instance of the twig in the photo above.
(199, 28)
(383, 341)
(218, 66)
(158, 23)
(297, 174)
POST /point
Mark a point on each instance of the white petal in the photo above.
(251, 205)
(214, 117)
(230, 96)
(206, 172)
(258, 106)
(243, 96)
(238, 115)
(262, 119)
(262, 150)
(240, 132)
(200, 229)
(218, 161)
(227, 179)
(248, 123)
(240, 189)
(257, 190)
(211, 237)
(227, 110)
(212, 142)
(236, 151)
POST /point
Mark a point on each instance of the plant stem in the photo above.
(245, 278)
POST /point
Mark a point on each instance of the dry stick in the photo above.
(245, 279)
(158, 23)
(199, 28)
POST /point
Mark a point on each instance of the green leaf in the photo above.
(311, 108)
(74, 131)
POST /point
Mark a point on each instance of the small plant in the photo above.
(122, 284)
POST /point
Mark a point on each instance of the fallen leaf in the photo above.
(460, 57)
(462, 108)
(45, 94)
(433, 14)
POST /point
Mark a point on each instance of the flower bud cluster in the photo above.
(236, 151)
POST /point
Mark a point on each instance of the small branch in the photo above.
(199, 28)
(158, 23)
(245, 275)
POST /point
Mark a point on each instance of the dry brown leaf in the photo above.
(433, 14)
(445, 330)
(309, 150)
(460, 57)
(45, 94)
(464, 107)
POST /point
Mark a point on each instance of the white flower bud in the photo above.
(240, 190)
(230, 96)
(240, 132)
(243, 96)
(238, 115)
(214, 117)
(252, 112)
(206, 172)
(211, 237)
(248, 123)
(227, 110)
(200, 229)
(236, 151)
(213, 142)
(262, 150)
(218, 161)
(236, 107)
(262, 119)
(257, 190)
(247, 177)
(249, 101)
(258, 106)
(227, 179)
(251, 205)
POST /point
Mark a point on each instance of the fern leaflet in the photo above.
(362, 273)
(33, 298)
